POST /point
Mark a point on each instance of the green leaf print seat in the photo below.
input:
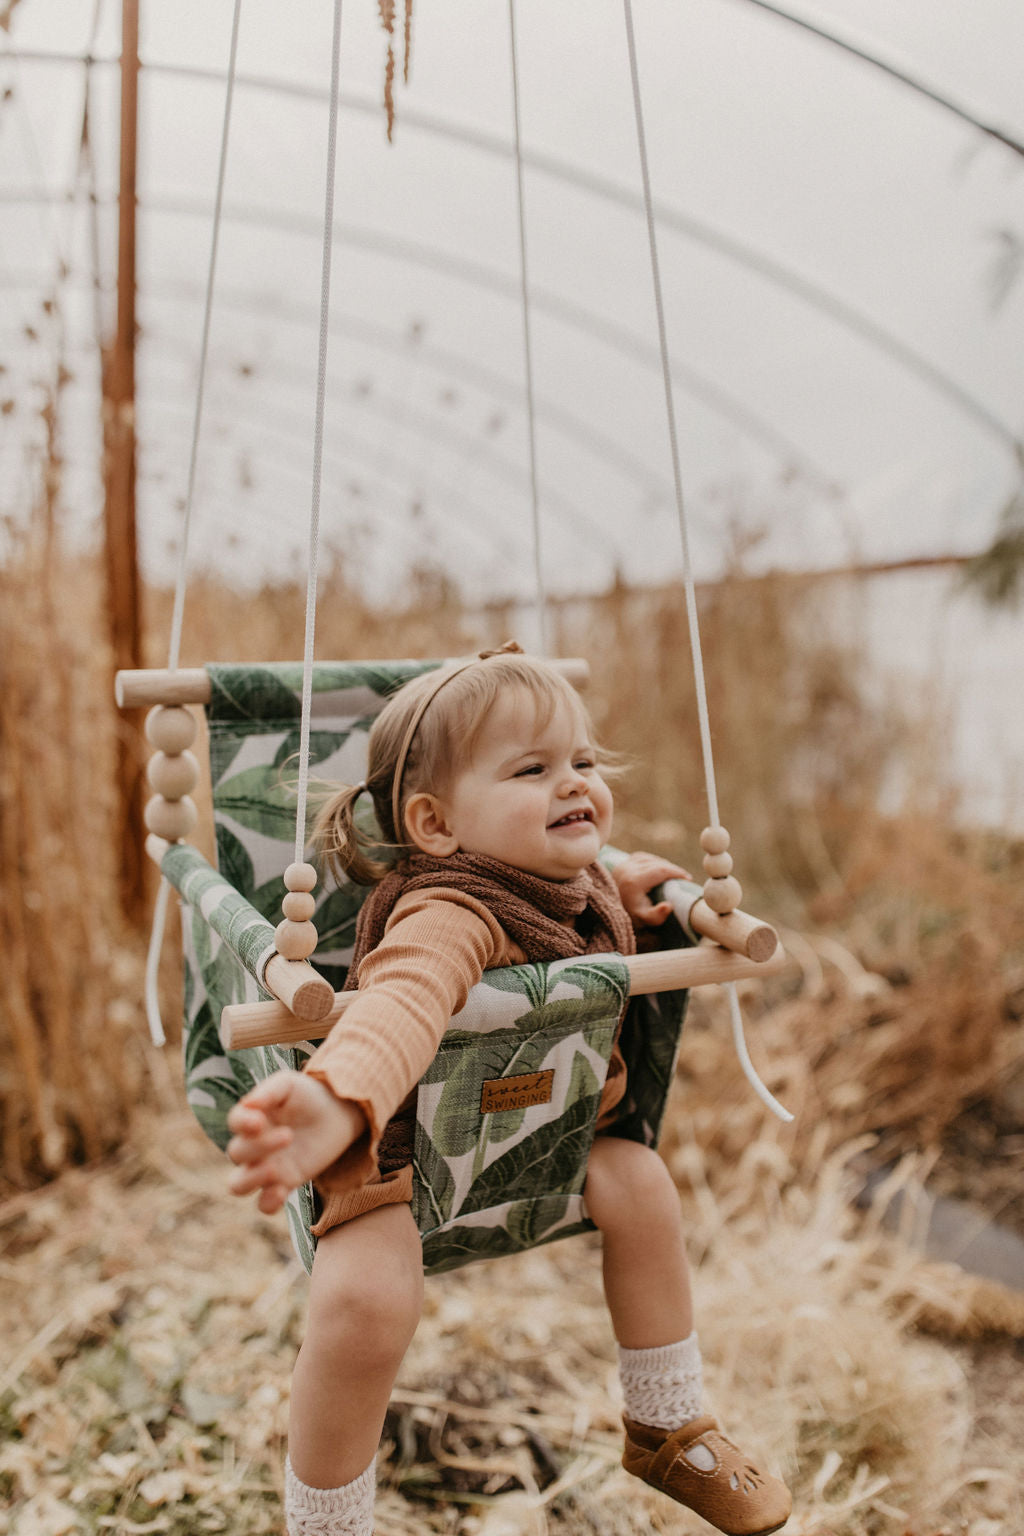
(505, 1114)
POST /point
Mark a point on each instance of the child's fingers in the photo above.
(651, 914)
(272, 1199)
(667, 871)
(252, 1176)
(272, 1093)
(246, 1148)
(245, 1120)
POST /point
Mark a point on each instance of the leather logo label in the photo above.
(516, 1092)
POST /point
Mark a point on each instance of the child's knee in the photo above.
(360, 1304)
(627, 1182)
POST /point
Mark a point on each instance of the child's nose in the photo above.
(574, 782)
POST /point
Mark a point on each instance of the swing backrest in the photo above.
(532, 1043)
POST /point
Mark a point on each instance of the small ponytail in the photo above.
(341, 843)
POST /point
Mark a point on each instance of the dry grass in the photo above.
(148, 1355)
(70, 1064)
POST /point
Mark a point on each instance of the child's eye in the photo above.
(585, 765)
(532, 768)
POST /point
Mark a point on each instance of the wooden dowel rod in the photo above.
(737, 931)
(301, 991)
(191, 685)
(304, 992)
(244, 1025)
(666, 970)
(148, 686)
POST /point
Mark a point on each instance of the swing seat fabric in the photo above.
(505, 1114)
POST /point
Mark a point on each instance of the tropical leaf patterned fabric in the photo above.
(513, 1177)
(505, 1114)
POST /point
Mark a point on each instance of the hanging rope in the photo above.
(156, 937)
(538, 564)
(318, 445)
(178, 613)
(691, 594)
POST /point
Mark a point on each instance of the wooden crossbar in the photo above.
(249, 1024)
(145, 687)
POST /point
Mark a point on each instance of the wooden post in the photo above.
(119, 483)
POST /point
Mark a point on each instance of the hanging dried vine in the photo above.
(386, 10)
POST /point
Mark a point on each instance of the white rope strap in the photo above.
(318, 444)
(538, 564)
(178, 613)
(156, 938)
(691, 595)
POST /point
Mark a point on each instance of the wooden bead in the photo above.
(714, 840)
(172, 819)
(723, 895)
(299, 906)
(717, 865)
(295, 941)
(300, 877)
(173, 776)
(171, 728)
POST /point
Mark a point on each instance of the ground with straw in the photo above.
(149, 1347)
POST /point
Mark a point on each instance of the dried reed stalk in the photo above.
(386, 10)
(68, 1072)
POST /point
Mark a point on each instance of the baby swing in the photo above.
(505, 1114)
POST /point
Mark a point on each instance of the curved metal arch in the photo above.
(920, 87)
(500, 468)
(448, 364)
(354, 454)
(596, 443)
(938, 98)
(808, 291)
(574, 315)
(725, 404)
(599, 444)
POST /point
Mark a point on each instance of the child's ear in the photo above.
(427, 825)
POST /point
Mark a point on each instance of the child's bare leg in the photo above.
(631, 1198)
(669, 1443)
(366, 1294)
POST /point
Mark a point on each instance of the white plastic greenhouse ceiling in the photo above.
(838, 190)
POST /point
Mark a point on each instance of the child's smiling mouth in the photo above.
(573, 818)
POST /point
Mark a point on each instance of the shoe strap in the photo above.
(679, 1441)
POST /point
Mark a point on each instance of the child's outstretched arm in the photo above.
(287, 1130)
(636, 877)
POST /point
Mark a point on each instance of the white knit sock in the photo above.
(344, 1511)
(662, 1387)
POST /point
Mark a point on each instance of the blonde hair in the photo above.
(424, 736)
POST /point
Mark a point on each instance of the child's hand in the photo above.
(635, 877)
(287, 1130)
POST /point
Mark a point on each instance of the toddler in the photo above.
(485, 779)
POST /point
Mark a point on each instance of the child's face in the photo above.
(532, 795)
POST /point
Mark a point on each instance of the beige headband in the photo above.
(510, 648)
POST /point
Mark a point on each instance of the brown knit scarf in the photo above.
(548, 919)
